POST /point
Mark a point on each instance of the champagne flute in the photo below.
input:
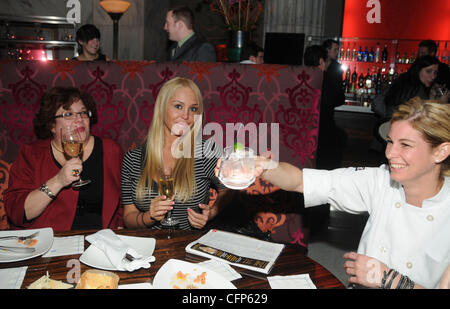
(72, 145)
(167, 188)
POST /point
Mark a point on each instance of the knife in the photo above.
(18, 249)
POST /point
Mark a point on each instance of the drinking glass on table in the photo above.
(237, 169)
(72, 145)
(167, 188)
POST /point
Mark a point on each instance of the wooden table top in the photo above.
(293, 260)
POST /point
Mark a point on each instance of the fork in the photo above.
(21, 238)
(18, 249)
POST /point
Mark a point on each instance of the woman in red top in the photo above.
(39, 192)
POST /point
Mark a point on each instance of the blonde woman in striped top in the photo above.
(177, 122)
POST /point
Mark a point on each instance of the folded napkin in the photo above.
(116, 250)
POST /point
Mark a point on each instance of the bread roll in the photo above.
(98, 279)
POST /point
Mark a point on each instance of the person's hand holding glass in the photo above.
(237, 167)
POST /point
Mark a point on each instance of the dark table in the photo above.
(293, 260)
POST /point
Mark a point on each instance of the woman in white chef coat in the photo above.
(406, 241)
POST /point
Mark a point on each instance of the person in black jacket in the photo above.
(187, 46)
(441, 88)
(332, 139)
(417, 81)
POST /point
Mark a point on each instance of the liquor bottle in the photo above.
(384, 54)
(379, 83)
(371, 55)
(444, 54)
(341, 54)
(360, 54)
(361, 79)
(391, 75)
(397, 57)
(368, 82)
(377, 53)
(354, 52)
(374, 76)
(365, 55)
(347, 80)
(405, 58)
(348, 74)
(412, 58)
(384, 78)
(348, 54)
(395, 76)
(354, 80)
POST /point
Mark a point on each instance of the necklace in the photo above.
(56, 148)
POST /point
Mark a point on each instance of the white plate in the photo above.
(95, 257)
(166, 277)
(44, 243)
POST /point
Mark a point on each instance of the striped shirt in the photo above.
(206, 156)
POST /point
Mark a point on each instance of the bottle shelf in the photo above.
(36, 37)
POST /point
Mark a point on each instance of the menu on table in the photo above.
(236, 249)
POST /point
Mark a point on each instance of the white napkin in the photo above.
(115, 250)
(66, 246)
(291, 282)
(12, 278)
(221, 268)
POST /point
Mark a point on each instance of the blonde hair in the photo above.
(432, 119)
(183, 172)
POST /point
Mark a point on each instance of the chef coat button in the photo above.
(398, 205)
(409, 265)
(430, 218)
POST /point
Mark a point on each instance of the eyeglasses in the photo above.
(73, 115)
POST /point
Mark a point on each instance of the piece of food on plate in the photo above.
(98, 279)
(188, 280)
(29, 242)
(46, 283)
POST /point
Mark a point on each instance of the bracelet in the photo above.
(385, 285)
(388, 285)
(405, 283)
(143, 221)
(385, 276)
(47, 191)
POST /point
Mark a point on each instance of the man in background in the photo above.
(252, 54)
(187, 46)
(427, 48)
(333, 73)
(332, 139)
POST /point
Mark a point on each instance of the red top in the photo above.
(35, 165)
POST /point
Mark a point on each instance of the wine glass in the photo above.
(72, 145)
(237, 169)
(167, 188)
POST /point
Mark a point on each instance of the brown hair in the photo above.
(52, 100)
(184, 14)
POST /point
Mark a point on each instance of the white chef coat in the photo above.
(414, 241)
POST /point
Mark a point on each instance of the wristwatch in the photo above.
(47, 191)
